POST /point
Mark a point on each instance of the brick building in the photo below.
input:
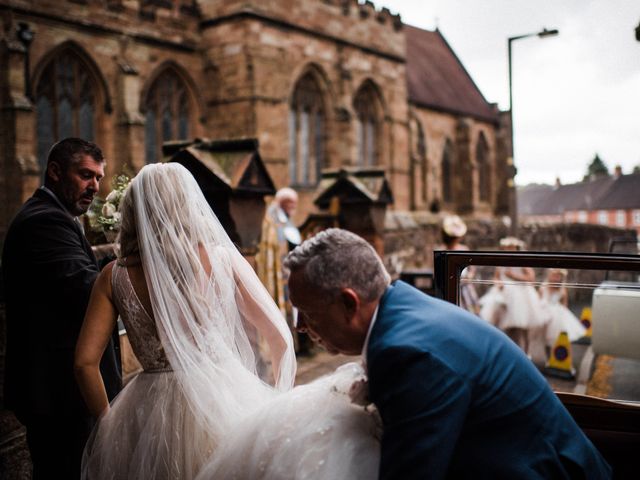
(611, 201)
(320, 84)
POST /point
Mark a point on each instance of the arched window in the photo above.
(168, 113)
(65, 102)
(484, 168)
(420, 158)
(368, 112)
(306, 132)
(447, 172)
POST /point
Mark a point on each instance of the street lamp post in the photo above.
(542, 34)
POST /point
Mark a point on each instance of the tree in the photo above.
(596, 168)
(636, 169)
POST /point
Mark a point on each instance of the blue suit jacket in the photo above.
(458, 399)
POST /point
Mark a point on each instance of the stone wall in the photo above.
(240, 61)
(257, 68)
(464, 135)
(410, 238)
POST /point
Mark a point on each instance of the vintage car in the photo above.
(596, 376)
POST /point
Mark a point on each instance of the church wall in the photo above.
(440, 126)
(241, 60)
(126, 49)
(257, 68)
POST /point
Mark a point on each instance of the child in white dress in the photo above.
(555, 301)
(512, 304)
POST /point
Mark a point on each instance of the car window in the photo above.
(580, 326)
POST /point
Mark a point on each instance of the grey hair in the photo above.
(286, 193)
(336, 258)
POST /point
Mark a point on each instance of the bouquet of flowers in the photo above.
(104, 214)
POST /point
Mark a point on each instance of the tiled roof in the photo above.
(603, 193)
(532, 199)
(624, 194)
(437, 79)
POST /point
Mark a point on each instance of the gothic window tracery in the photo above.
(447, 172)
(419, 162)
(484, 168)
(65, 100)
(366, 106)
(168, 113)
(306, 132)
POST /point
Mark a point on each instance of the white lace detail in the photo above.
(141, 328)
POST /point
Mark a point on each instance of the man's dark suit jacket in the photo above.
(458, 399)
(49, 270)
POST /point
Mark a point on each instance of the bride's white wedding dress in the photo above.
(311, 432)
(150, 431)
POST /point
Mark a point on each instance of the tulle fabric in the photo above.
(313, 432)
(165, 424)
(149, 433)
(513, 305)
(201, 318)
(561, 319)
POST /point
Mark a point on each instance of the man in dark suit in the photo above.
(49, 269)
(457, 398)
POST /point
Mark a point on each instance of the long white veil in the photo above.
(201, 316)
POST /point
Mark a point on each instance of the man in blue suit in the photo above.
(457, 398)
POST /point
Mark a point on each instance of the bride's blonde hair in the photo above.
(127, 243)
(169, 192)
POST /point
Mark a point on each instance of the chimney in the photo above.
(558, 183)
(617, 171)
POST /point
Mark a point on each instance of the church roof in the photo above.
(437, 79)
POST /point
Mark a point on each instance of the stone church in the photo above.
(320, 83)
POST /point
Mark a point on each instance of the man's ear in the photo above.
(54, 171)
(351, 301)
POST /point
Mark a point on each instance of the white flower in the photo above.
(108, 210)
(114, 196)
(117, 217)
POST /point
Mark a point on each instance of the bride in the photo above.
(185, 295)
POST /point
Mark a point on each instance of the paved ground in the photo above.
(318, 364)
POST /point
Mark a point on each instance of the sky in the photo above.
(574, 95)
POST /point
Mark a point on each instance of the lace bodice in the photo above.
(141, 328)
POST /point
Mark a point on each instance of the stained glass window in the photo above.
(65, 103)
(306, 133)
(168, 114)
(447, 172)
(484, 168)
(367, 126)
(420, 171)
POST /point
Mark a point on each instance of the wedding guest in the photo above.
(555, 299)
(280, 236)
(457, 398)
(453, 231)
(512, 304)
(49, 270)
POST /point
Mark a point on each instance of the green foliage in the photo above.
(597, 168)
